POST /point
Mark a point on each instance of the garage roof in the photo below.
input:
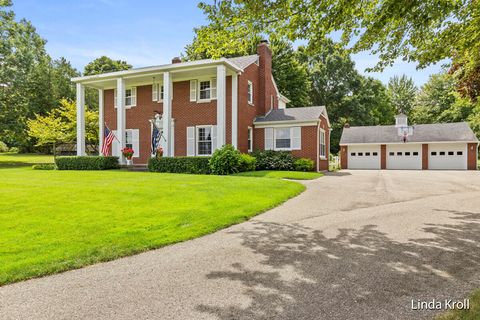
(439, 132)
(293, 114)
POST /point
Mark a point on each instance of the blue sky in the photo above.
(142, 32)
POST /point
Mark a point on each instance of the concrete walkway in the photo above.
(355, 245)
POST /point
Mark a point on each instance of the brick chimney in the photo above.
(176, 60)
(265, 74)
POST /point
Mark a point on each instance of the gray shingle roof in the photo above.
(439, 132)
(244, 61)
(292, 114)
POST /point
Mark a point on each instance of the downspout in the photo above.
(330, 139)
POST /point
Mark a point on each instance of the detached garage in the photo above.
(441, 146)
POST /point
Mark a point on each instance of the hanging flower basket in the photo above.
(128, 154)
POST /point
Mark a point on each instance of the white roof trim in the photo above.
(286, 123)
(160, 68)
(401, 142)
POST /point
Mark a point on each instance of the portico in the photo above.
(128, 98)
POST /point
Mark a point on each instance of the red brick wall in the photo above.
(383, 156)
(425, 156)
(472, 156)
(344, 157)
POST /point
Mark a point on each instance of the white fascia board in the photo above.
(408, 142)
(287, 123)
(160, 68)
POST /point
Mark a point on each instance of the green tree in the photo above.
(59, 125)
(105, 64)
(62, 86)
(402, 91)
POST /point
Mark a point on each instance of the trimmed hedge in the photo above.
(44, 166)
(196, 165)
(304, 164)
(274, 160)
(225, 160)
(87, 163)
(247, 163)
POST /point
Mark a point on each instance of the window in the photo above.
(451, 153)
(459, 153)
(367, 153)
(249, 141)
(375, 154)
(442, 153)
(415, 153)
(250, 92)
(130, 97)
(407, 153)
(282, 138)
(155, 96)
(352, 154)
(391, 154)
(129, 139)
(204, 141)
(323, 144)
(360, 154)
(204, 90)
(433, 153)
(399, 153)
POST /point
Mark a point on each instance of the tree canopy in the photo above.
(402, 91)
(105, 64)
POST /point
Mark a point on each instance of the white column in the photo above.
(80, 119)
(101, 120)
(221, 99)
(235, 110)
(121, 122)
(167, 112)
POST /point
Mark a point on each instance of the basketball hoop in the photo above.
(404, 132)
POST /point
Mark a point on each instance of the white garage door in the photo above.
(404, 156)
(364, 157)
(447, 156)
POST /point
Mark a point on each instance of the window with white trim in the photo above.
(282, 138)
(250, 139)
(129, 139)
(207, 89)
(250, 92)
(130, 97)
(323, 145)
(155, 92)
(204, 141)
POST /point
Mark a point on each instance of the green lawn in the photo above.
(472, 314)
(52, 221)
(8, 160)
(295, 175)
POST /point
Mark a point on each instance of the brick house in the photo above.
(203, 105)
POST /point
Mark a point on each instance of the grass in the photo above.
(472, 314)
(294, 175)
(52, 221)
(8, 160)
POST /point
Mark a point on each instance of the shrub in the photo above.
(247, 163)
(195, 165)
(3, 147)
(14, 150)
(44, 166)
(273, 160)
(225, 160)
(86, 163)
(303, 164)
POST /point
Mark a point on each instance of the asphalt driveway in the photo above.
(355, 245)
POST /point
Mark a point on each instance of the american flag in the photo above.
(107, 140)
(156, 135)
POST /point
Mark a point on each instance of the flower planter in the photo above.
(129, 162)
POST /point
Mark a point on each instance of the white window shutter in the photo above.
(268, 138)
(296, 138)
(193, 90)
(115, 98)
(190, 141)
(114, 145)
(155, 92)
(214, 88)
(214, 138)
(134, 96)
(136, 142)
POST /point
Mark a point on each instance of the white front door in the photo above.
(404, 156)
(447, 156)
(364, 157)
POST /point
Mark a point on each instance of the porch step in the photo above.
(136, 167)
